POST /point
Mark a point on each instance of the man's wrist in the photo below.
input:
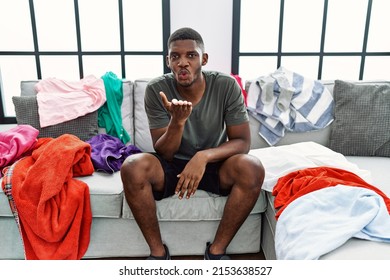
(176, 124)
(203, 156)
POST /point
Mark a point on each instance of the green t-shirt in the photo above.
(221, 105)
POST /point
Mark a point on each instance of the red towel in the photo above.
(301, 182)
(54, 208)
(243, 91)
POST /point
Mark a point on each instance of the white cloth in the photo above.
(281, 160)
(321, 221)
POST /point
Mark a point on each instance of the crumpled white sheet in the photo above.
(281, 160)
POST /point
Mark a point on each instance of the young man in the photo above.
(200, 132)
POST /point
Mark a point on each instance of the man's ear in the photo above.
(167, 62)
(205, 59)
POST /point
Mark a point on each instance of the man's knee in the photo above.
(135, 167)
(256, 168)
(141, 169)
(129, 165)
(246, 171)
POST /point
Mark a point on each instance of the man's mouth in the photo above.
(183, 74)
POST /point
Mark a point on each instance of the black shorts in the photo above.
(209, 182)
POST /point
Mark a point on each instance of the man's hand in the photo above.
(191, 176)
(180, 110)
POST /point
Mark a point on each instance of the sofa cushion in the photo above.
(5, 210)
(379, 168)
(320, 136)
(26, 110)
(362, 119)
(106, 193)
(202, 206)
(127, 108)
(142, 137)
(27, 88)
(105, 190)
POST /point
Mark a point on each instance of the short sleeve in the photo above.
(236, 112)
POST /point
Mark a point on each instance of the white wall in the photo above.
(213, 20)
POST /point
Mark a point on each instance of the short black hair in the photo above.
(186, 33)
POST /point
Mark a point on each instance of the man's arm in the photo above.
(239, 143)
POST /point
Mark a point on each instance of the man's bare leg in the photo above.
(244, 174)
(141, 173)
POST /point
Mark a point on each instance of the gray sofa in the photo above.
(187, 225)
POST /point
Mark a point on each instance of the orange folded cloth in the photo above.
(301, 182)
(53, 207)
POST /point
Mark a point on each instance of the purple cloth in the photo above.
(108, 152)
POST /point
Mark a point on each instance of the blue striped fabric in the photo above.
(286, 100)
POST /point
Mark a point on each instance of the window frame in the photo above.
(236, 54)
(80, 53)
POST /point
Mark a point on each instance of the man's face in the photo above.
(185, 59)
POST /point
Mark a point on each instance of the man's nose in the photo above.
(182, 61)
